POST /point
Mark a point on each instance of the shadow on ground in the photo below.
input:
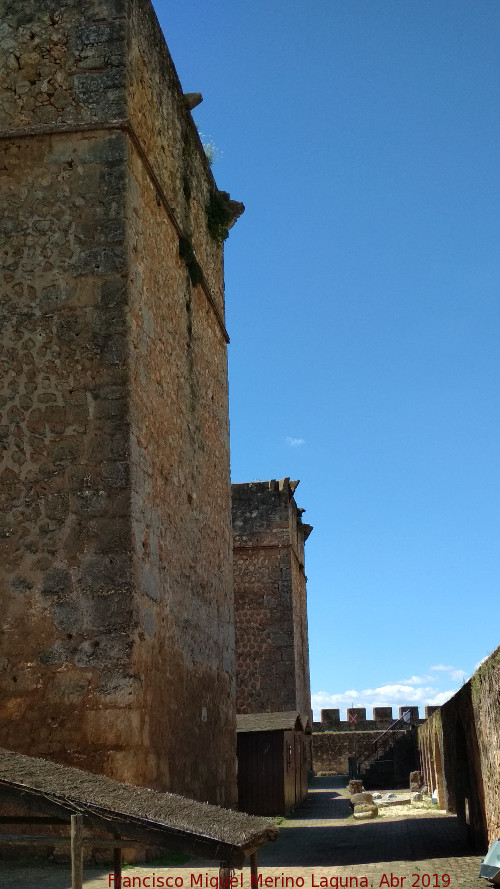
(324, 804)
(45, 876)
(368, 842)
(333, 843)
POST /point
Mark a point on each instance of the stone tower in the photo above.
(272, 651)
(117, 634)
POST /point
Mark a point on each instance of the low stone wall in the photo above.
(331, 750)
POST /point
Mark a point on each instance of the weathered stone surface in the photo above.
(358, 798)
(391, 800)
(114, 494)
(355, 786)
(416, 780)
(330, 718)
(382, 719)
(332, 751)
(365, 811)
(459, 747)
(272, 653)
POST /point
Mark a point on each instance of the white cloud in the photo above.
(294, 442)
(442, 697)
(454, 674)
(415, 691)
(415, 680)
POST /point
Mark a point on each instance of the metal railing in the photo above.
(386, 740)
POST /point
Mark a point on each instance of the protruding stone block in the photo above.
(355, 715)
(192, 100)
(412, 711)
(330, 718)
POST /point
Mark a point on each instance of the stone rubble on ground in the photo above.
(358, 798)
(355, 786)
(416, 781)
(363, 811)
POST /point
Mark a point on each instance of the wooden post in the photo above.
(76, 851)
(224, 875)
(117, 867)
(254, 871)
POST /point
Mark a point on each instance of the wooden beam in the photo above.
(225, 875)
(254, 870)
(27, 840)
(117, 867)
(32, 819)
(77, 852)
(32, 840)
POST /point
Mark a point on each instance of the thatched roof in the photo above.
(160, 819)
(269, 722)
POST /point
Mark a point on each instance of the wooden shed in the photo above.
(273, 759)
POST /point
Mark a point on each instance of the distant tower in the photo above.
(272, 652)
(117, 633)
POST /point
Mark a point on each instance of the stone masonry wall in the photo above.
(460, 752)
(272, 662)
(485, 694)
(116, 645)
(331, 750)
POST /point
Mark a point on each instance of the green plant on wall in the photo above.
(212, 153)
(219, 216)
(187, 254)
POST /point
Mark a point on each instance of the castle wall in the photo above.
(485, 685)
(460, 753)
(356, 719)
(331, 750)
(272, 662)
(117, 642)
(300, 629)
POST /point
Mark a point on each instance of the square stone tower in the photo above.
(117, 633)
(272, 650)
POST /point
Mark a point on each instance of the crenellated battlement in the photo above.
(382, 718)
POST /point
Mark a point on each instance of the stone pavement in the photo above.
(320, 845)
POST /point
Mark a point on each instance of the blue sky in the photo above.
(362, 304)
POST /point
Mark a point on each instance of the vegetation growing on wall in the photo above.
(219, 216)
(188, 255)
(482, 673)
